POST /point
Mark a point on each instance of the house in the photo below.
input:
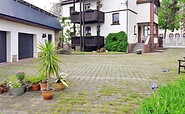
(22, 27)
(98, 18)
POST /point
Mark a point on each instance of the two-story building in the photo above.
(97, 18)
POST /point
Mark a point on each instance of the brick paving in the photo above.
(89, 74)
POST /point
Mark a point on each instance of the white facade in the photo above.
(12, 29)
(131, 16)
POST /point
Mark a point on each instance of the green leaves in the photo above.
(49, 59)
(168, 99)
(117, 42)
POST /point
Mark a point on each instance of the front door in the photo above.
(139, 34)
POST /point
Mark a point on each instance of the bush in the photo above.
(117, 42)
(168, 99)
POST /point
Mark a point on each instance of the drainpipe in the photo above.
(80, 25)
(83, 23)
(127, 17)
(98, 33)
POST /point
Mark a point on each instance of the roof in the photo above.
(19, 9)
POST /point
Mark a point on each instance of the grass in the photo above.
(95, 53)
(168, 99)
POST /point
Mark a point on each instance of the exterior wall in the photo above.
(132, 31)
(143, 11)
(13, 29)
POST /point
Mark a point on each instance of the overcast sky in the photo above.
(44, 4)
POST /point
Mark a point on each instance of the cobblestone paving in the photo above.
(97, 83)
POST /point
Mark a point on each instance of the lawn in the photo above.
(98, 83)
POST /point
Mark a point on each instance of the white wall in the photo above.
(143, 11)
(132, 21)
(13, 29)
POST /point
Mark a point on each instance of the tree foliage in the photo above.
(117, 42)
(169, 17)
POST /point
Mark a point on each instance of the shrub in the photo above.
(117, 42)
(168, 99)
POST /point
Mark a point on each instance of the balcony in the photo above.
(91, 16)
(91, 42)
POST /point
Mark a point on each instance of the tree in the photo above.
(169, 17)
(56, 10)
(182, 12)
(65, 35)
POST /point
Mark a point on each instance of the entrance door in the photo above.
(2, 46)
(25, 45)
(139, 34)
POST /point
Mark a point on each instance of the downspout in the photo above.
(80, 25)
(98, 33)
(127, 25)
(83, 23)
(74, 26)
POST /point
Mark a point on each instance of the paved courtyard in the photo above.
(97, 83)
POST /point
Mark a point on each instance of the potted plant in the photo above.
(139, 51)
(34, 81)
(16, 87)
(43, 82)
(48, 65)
(61, 81)
(4, 86)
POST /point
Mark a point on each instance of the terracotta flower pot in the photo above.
(1, 90)
(59, 86)
(48, 94)
(43, 86)
(5, 89)
(35, 87)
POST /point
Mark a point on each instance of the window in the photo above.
(87, 6)
(88, 31)
(155, 9)
(115, 18)
(135, 30)
(146, 30)
(154, 29)
(71, 10)
(49, 37)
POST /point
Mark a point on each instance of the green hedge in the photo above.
(169, 99)
(117, 42)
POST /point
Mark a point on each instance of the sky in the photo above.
(44, 4)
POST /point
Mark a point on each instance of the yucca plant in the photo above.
(49, 60)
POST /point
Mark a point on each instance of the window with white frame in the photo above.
(88, 31)
(87, 6)
(155, 9)
(115, 18)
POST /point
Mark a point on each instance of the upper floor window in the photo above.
(155, 9)
(87, 6)
(71, 10)
(88, 31)
(115, 18)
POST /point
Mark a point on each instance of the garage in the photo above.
(2, 46)
(25, 46)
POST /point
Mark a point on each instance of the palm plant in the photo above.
(49, 60)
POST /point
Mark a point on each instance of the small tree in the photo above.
(48, 61)
(117, 42)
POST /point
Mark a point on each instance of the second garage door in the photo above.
(25, 45)
(2, 46)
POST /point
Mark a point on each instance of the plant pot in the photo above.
(1, 90)
(59, 86)
(5, 89)
(43, 86)
(48, 94)
(35, 87)
(17, 91)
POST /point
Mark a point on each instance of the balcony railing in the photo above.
(91, 16)
(91, 42)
